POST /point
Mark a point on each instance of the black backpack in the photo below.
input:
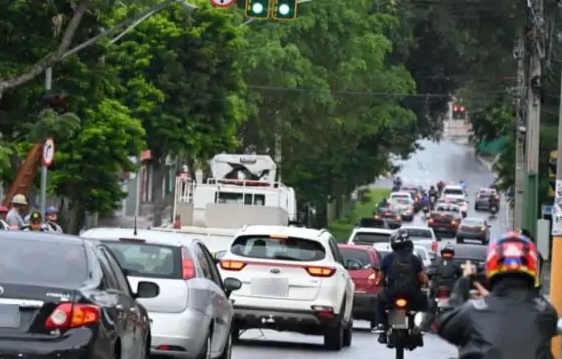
(403, 275)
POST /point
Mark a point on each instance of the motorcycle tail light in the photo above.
(442, 293)
(401, 303)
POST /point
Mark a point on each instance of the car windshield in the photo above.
(453, 191)
(370, 238)
(282, 248)
(43, 263)
(419, 232)
(147, 260)
(358, 254)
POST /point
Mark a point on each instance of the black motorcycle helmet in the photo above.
(400, 239)
(448, 249)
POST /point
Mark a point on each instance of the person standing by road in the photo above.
(14, 218)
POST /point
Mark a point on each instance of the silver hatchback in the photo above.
(191, 316)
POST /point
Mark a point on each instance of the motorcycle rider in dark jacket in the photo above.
(510, 321)
(442, 272)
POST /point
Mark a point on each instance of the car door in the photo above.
(345, 278)
(207, 294)
(222, 307)
(132, 343)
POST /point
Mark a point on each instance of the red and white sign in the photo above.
(223, 3)
(48, 152)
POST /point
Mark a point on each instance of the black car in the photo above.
(64, 297)
(474, 228)
(476, 254)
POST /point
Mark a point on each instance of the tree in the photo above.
(181, 78)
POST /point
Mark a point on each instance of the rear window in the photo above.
(370, 238)
(472, 222)
(362, 256)
(289, 248)
(471, 252)
(147, 260)
(453, 191)
(419, 232)
(447, 208)
(42, 263)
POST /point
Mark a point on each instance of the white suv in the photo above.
(293, 279)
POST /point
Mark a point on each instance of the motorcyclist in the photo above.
(51, 214)
(425, 201)
(510, 321)
(440, 186)
(528, 234)
(443, 272)
(494, 202)
(463, 185)
(433, 193)
(35, 223)
(397, 182)
(402, 274)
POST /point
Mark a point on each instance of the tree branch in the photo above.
(50, 59)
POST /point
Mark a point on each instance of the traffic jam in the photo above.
(134, 293)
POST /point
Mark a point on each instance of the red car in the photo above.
(366, 280)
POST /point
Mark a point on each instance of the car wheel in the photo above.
(348, 333)
(205, 352)
(235, 334)
(333, 339)
(460, 240)
(227, 351)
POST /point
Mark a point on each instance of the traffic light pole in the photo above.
(43, 187)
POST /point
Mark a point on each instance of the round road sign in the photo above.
(223, 3)
(48, 152)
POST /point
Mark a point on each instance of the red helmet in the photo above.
(512, 253)
(3, 209)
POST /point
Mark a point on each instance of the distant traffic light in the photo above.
(284, 10)
(258, 9)
(552, 172)
(56, 101)
(459, 112)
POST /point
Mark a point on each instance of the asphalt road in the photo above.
(448, 161)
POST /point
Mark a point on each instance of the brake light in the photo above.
(372, 280)
(134, 240)
(398, 218)
(431, 220)
(442, 293)
(454, 223)
(434, 246)
(72, 315)
(232, 265)
(401, 303)
(187, 266)
(320, 271)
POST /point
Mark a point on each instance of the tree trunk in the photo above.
(75, 219)
(158, 168)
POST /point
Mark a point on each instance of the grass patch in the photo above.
(341, 228)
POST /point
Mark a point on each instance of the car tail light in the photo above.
(323, 311)
(232, 265)
(434, 246)
(453, 222)
(72, 315)
(442, 293)
(372, 280)
(401, 303)
(431, 220)
(398, 218)
(320, 271)
(187, 265)
(483, 228)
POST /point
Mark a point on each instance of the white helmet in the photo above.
(19, 199)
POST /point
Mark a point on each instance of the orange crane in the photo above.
(26, 174)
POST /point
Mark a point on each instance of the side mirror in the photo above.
(147, 290)
(218, 255)
(353, 264)
(559, 326)
(230, 285)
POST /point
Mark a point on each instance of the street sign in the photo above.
(223, 3)
(557, 210)
(48, 152)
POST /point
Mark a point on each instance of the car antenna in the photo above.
(135, 226)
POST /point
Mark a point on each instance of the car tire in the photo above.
(235, 334)
(333, 339)
(227, 351)
(348, 333)
(205, 352)
(460, 240)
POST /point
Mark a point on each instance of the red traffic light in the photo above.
(455, 108)
(462, 109)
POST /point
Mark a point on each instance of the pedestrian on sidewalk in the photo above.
(14, 218)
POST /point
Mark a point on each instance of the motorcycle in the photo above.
(425, 211)
(403, 330)
(493, 211)
(442, 299)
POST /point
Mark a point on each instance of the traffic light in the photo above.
(552, 172)
(459, 112)
(58, 102)
(257, 9)
(284, 10)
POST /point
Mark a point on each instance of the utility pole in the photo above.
(556, 264)
(536, 53)
(521, 54)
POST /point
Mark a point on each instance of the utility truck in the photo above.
(241, 191)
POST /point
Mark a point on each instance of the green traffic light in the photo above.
(285, 9)
(257, 9)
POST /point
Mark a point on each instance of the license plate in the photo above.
(442, 302)
(398, 319)
(269, 287)
(9, 316)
